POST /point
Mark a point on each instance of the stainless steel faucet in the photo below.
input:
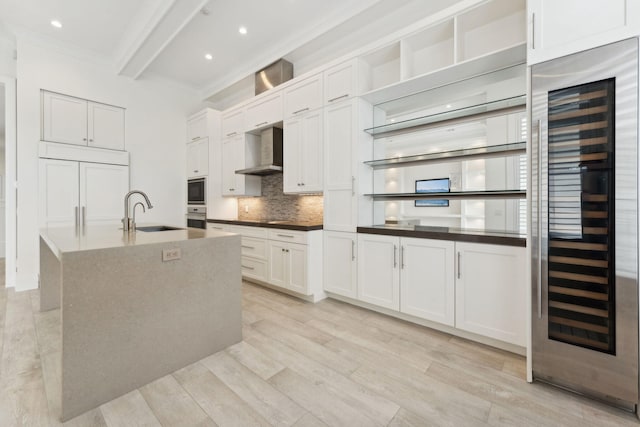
(128, 224)
(135, 205)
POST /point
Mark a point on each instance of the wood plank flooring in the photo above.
(300, 364)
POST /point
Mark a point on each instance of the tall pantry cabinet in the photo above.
(345, 144)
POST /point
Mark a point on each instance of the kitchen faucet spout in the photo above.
(127, 223)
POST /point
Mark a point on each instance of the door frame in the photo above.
(11, 187)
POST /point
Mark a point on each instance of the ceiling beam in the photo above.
(170, 17)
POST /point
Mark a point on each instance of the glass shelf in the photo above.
(445, 156)
(495, 194)
(446, 118)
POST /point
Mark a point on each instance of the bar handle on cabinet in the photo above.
(539, 184)
(301, 110)
(76, 218)
(459, 264)
(395, 256)
(533, 30)
(353, 250)
(261, 124)
(247, 247)
(232, 133)
(285, 235)
(247, 267)
(402, 256)
(338, 97)
(353, 185)
(84, 216)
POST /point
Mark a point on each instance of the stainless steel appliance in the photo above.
(197, 217)
(273, 75)
(270, 154)
(585, 223)
(197, 191)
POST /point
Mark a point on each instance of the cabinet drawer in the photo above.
(252, 231)
(264, 112)
(254, 268)
(253, 247)
(288, 236)
(303, 96)
(219, 227)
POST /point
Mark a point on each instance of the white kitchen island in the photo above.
(128, 314)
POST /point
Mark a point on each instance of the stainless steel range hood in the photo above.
(270, 154)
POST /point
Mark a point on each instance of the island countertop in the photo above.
(68, 239)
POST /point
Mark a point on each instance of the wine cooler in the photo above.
(584, 162)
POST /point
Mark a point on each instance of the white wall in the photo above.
(155, 136)
(7, 62)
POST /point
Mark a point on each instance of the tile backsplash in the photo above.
(275, 205)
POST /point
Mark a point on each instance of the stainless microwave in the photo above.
(197, 191)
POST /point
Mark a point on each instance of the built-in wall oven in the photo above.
(197, 191)
(197, 217)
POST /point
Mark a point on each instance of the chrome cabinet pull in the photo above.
(285, 235)
(353, 185)
(194, 138)
(533, 30)
(247, 247)
(458, 265)
(302, 110)
(232, 133)
(339, 97)
(76, 218)
(402, 256)
(395, 256)
(247, 267)
(260, 124)
(84, 217)
(353, 250)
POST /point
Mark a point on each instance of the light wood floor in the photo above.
(299, 364)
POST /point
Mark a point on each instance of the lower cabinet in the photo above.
(288, 266)
(340, 263)
(473, 287)
(491, 291)
(288, 259)
(413, 276)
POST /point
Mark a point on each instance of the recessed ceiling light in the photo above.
(56, 23)
(242, 30)
(448, 105)
(208, 57)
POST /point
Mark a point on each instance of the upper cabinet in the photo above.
(71, 120)
(303, 96)
(198, 158)
(197, 127)
(559, 28)
(303, 153)
(232, 123)
(341, 81)
(263, 112)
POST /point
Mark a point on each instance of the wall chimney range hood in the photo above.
(270, 154)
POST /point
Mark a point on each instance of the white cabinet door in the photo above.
(264, 112)
(340, 82)
(303, 96)
(235, 157)
(58, 193)
(296, 258)
(427, 284)
(64, 119)
(106, 126)
(340, 200)
(303, 154)
(198, 158)
(491, 291)
(197, 127)
(102, 191)
(378, 270)
(278, 263)
(340, 266)
(558, 28)
(232, 123)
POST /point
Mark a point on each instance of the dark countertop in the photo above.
(284, 225)
(448, 233)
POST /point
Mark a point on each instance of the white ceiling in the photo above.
(169, 38)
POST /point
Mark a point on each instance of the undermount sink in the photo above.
(150, 228)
